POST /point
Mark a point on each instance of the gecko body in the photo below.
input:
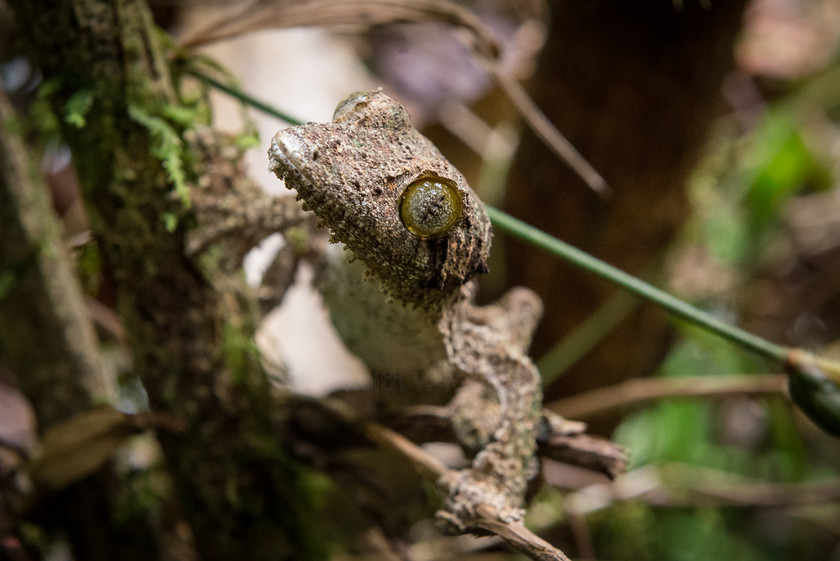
(405, 301)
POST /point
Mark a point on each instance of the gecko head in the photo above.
(388, 194)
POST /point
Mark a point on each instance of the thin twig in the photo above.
(547, 132)
(565, 442)
(427, 465)
(680, 485)
(639, 390)
(270, 14)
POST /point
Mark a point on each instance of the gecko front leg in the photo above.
(498, 409)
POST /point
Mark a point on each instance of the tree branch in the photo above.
(640, 390)
(485, 519)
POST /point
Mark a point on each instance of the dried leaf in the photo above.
(79, 446)
(270, 14)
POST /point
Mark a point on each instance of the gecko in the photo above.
(403, 299)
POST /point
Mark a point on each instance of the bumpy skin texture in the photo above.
(352, 173)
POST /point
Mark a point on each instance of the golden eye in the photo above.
(430, 206)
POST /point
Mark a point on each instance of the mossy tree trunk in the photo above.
(47, 337)
(190, 338)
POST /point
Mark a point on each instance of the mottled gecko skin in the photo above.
(352, 174)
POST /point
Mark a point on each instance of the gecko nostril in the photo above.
(431, 206)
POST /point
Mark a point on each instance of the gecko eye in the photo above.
(430, 206)
(349, 104)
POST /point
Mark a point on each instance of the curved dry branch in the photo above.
(485, 519)
(641, 390)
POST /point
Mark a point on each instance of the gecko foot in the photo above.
(470, 495)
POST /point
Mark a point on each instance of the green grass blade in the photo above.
(671, 304)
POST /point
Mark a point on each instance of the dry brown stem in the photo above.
(639, 390)
(681, 485)
(269, 14)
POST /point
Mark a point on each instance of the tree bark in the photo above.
(47, 335)
(47, 338)
(190, 335)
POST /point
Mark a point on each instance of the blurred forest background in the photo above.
(716, 126)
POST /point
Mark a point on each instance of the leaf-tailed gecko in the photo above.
(404, 302)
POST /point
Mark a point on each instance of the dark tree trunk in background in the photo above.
(634, 86)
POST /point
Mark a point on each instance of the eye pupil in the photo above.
(430, 207)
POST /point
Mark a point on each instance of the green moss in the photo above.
(239, 353)
(167, 146)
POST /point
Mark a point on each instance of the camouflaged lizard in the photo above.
(404, 302)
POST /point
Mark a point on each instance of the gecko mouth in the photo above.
(287, 159)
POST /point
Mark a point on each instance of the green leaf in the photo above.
(246, 141)
(77, 447)
(7, 281)
(49, 87)
(184, 116)
(780, 164)
(77, 108)
(170, 221)
(167, 147)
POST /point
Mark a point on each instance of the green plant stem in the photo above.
(638, 287)
(245, 98)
